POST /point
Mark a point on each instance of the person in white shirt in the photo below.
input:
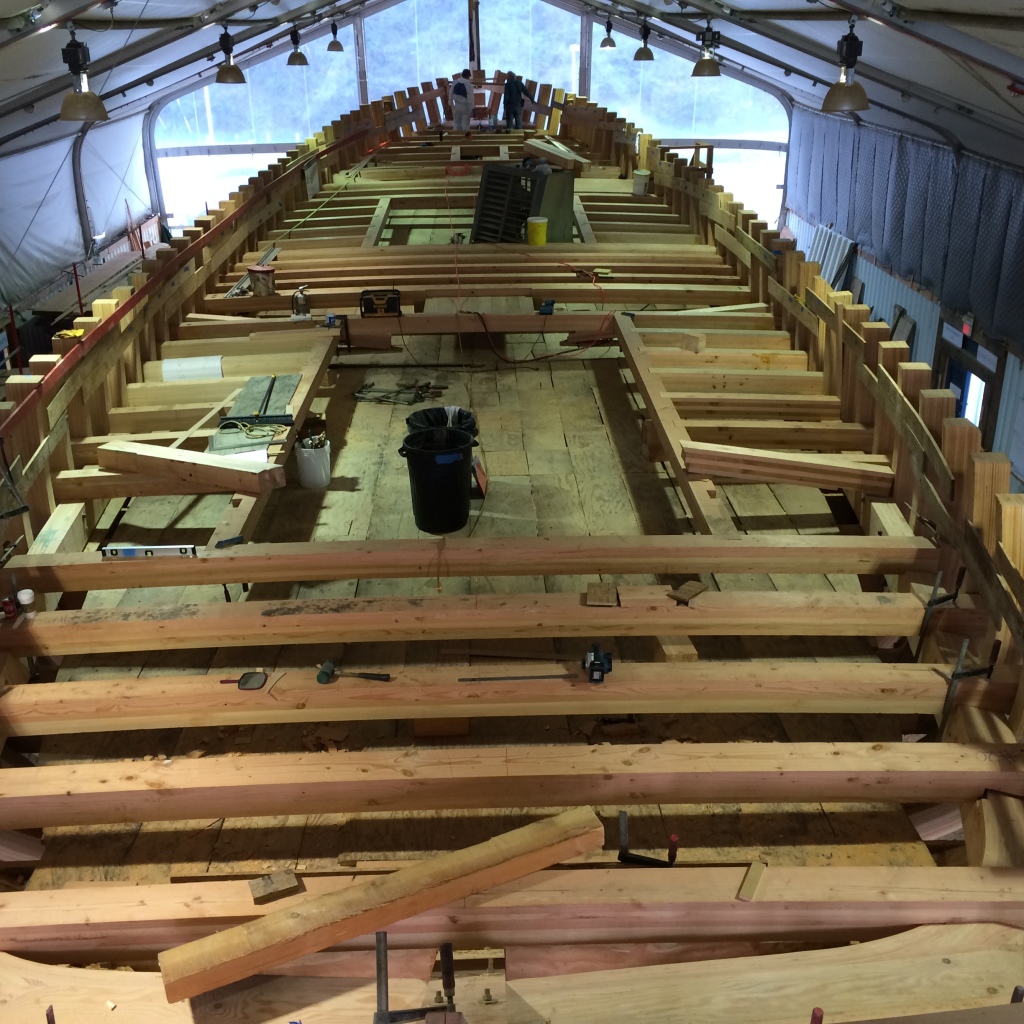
(461, 98)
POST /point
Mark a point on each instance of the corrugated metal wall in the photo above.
(882, 292)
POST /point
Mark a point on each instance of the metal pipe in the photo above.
(1004, 21)
(78, 289)
(357, 31)
(81, 203)
(382, 972)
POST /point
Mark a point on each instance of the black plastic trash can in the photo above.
(438, 416)
(440, 466)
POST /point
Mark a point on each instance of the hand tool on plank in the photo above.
(327, 672)
(597, 664)
(249, 680)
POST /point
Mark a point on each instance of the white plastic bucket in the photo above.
(641, 182)
(314, 466)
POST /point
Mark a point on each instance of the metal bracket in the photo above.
(933, 602)
(953, 680)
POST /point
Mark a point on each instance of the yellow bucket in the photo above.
(537, 230)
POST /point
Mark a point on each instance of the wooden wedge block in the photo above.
(224, 474)
(309, 927)
(688, 591)
(273, 887)
(602, 595)
(751, 880)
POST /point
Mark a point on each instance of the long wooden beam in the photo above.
(833, 471)
(594, 905)
(192, 469)
(179, 702)
(598, 904)
(313, 924)
(644, 611)
(489, 777)
(834, 436)
(74, 485)
(458, 556)
(679, 294)
(755, 406)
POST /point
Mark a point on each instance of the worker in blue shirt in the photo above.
(514, 92)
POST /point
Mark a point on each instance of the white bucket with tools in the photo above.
(314, 466)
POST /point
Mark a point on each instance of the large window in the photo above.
(279, 104)
(413, 42)
(192, 183)
(278, 107)
(661, 98)
(532, 38)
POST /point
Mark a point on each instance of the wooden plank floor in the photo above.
(562, 443)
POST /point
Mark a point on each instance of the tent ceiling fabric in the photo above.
(935, 68)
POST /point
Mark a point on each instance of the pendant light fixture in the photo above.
(296, 59)
(608, 43)
(644, 52)
(707, 66)
(80, 104)
(334, 46)
(229, 73)
(847, 95)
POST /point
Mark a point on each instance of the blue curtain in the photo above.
(953, 223)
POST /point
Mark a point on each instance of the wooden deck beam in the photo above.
(328, 298)
(684, 554)
(193, 469)
(757, 466)
(598, 904)
(702, 687)
(834, 436)
(644, 611)
(500, 777)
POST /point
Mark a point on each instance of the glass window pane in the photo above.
(189, 183)
(279, 104)
(414, 41)
(753, 177)
(534, 39)
(662, 99)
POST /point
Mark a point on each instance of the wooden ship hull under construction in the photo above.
(843, 785)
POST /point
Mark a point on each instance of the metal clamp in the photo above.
(383, 1014)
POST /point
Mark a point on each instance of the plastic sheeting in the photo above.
(113, 172)
(952, 224)
(39, 231)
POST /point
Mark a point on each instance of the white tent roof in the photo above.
(939, 68)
